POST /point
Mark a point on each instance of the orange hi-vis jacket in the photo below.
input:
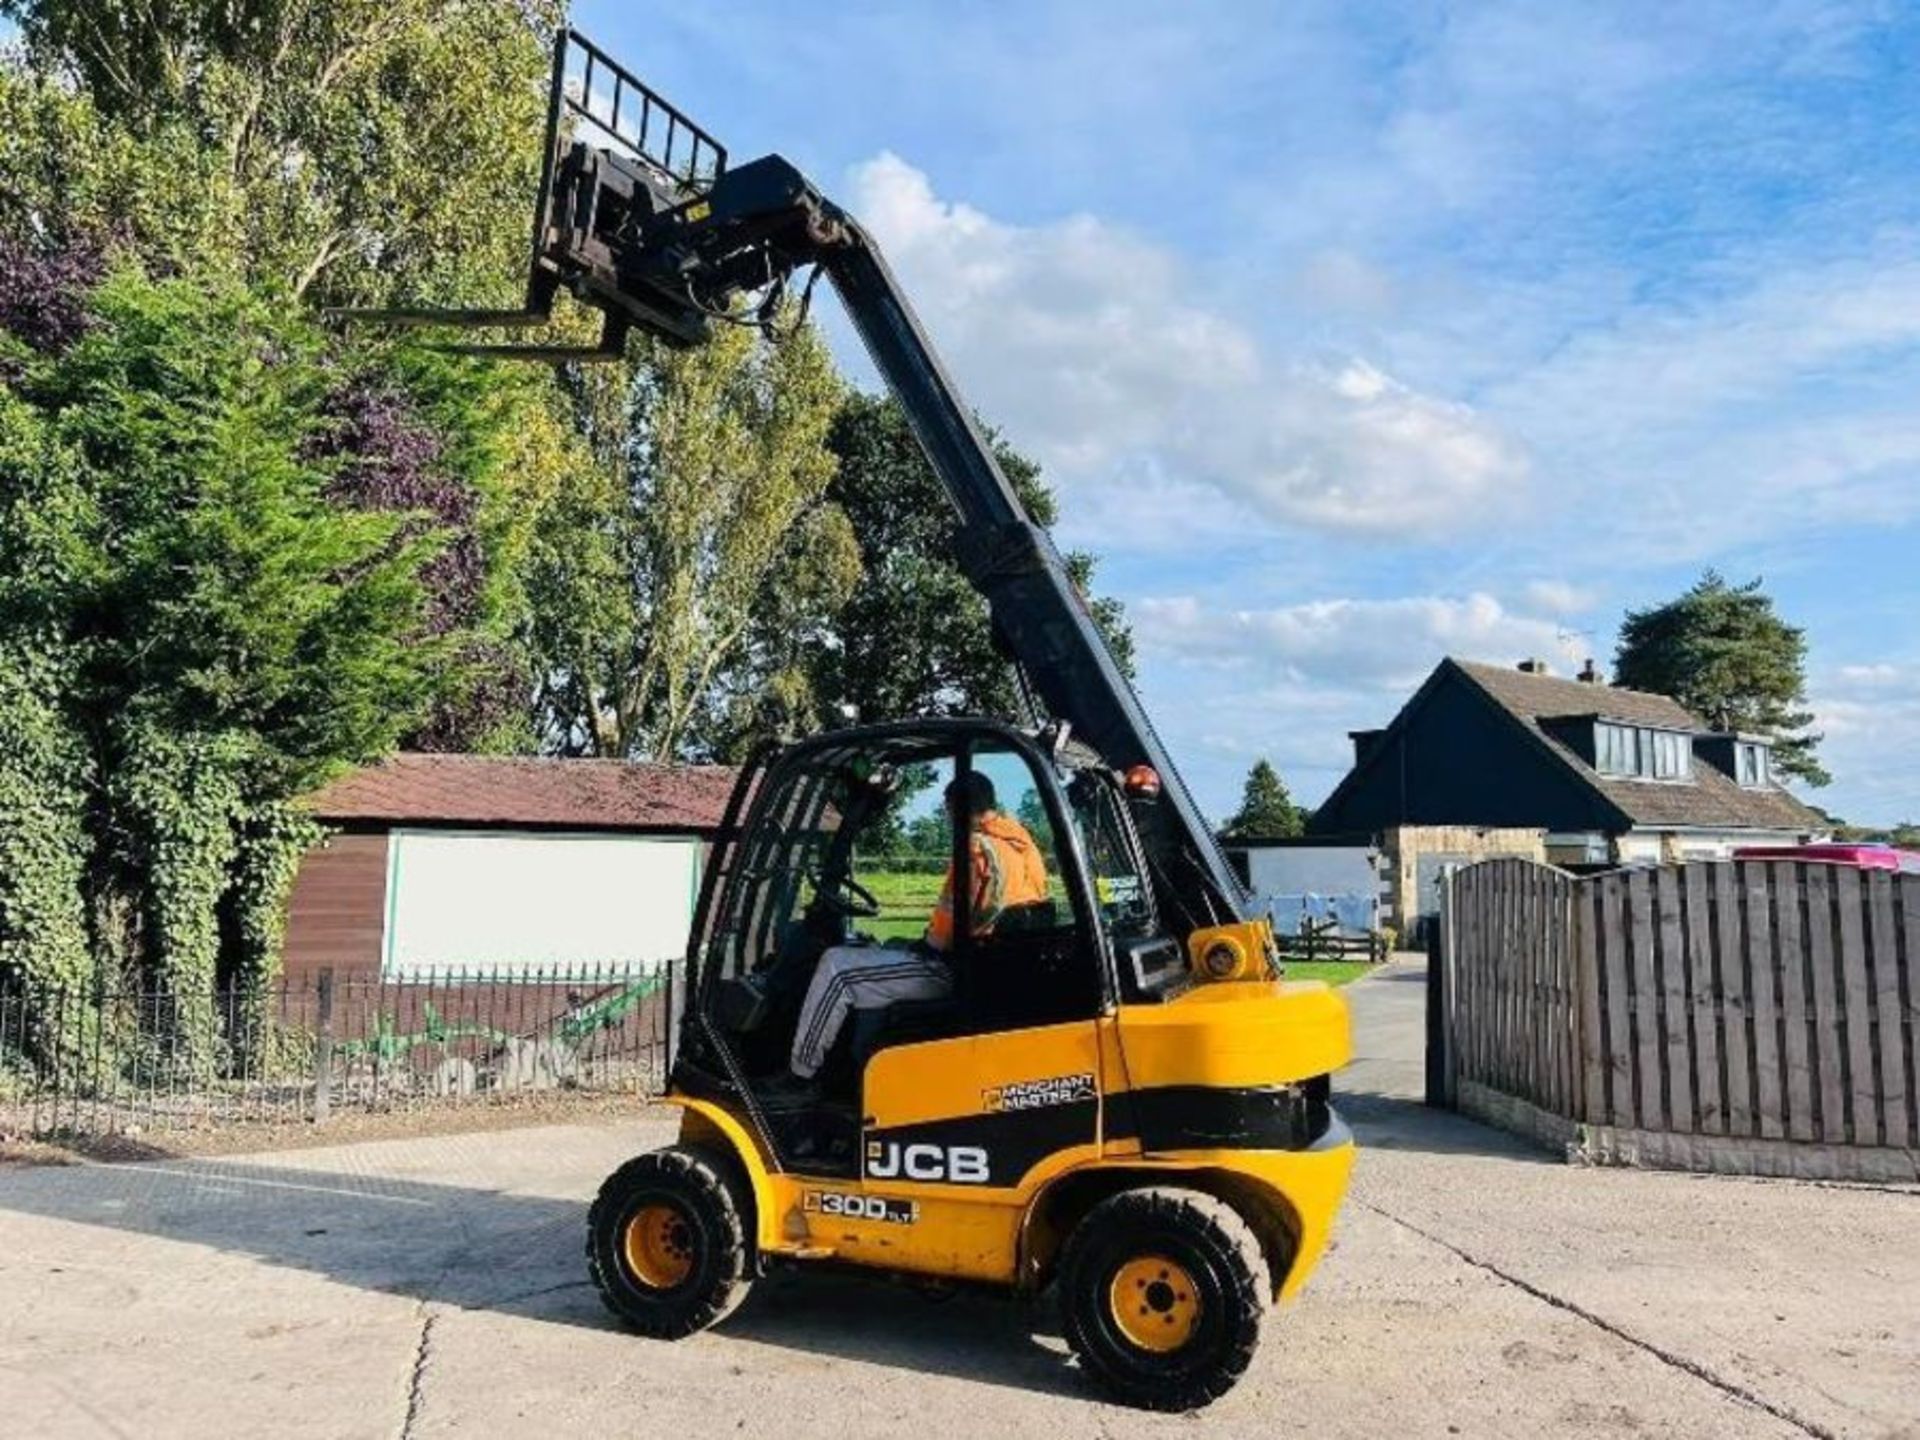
(1007, 870)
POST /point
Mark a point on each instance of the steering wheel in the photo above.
(846, 897)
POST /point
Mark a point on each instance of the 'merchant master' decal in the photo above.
(1036, 1094)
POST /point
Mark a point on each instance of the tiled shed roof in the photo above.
(520, 790)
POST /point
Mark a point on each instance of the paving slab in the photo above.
(436, 1287)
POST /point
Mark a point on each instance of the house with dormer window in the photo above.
(1609, 776)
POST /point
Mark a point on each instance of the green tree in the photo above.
(356, 150)
(671, 580)
(207, 627)
(1904, 833)
(929, 837)
(915, 638)
(1032, 813)
(226, 586)
(1267, 811)
(1723, 652)
(347, 152)
(44, 797)
(239, 553)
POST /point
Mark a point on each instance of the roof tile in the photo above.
(524, 790)
(1712, 800)
(1550, 696)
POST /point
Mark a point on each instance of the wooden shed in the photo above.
(502, 864)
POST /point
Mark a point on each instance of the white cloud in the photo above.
(1676, 286)
(1872, 675)
(1078, 340)
(1869, 715)
(1662, 364)
(1290, 682)
(1560, 597)
(1356, 644)
(1777, 405)
(1337, 279)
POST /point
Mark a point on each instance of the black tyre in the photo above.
(1163, 1292)
(667, 1242)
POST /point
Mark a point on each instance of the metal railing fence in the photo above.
(101, 1059)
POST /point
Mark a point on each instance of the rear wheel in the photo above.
(667, 1243)
(1163, 1293)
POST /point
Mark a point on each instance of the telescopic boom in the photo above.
(641, 217)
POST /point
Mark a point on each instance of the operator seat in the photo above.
(1010, 982)
(902, 1023)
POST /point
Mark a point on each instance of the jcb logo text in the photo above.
(959, 1164)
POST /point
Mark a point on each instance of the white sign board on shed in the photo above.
(507, 901)
(1311, 869)
(1295, 883)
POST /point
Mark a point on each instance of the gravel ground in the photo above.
(433, 1286)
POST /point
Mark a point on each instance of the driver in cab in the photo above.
(1005, 870)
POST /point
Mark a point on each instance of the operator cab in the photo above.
(847, 840)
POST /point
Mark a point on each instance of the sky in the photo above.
(1356, 336)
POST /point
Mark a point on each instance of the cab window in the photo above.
(1033, 894)
(902, 858)
(1120, 887)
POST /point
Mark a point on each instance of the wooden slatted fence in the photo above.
(1749, 1001)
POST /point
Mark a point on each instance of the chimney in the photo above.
(1365, 742)
(1531, 666)
(1590, 674)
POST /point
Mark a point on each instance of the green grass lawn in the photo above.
(1334, 972)
(907, 899)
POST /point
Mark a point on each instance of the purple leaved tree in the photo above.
(390, 458)
(43, 290)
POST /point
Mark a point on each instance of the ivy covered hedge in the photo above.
(237, 553)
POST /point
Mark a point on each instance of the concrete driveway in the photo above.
(434, 1287)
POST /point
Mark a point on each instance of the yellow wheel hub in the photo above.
(1154, 1302)
(658, 1245)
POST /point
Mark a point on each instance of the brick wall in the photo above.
(1406, 844)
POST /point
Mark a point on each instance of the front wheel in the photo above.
(667, 1243)
(1163, 1292)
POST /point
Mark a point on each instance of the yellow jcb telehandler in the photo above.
(1116, 1094)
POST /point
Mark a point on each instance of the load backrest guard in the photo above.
(615, 152)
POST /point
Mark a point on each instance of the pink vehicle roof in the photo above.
(1859, 857)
